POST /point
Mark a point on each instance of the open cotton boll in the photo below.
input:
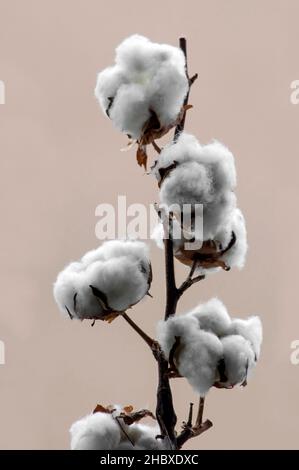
(110, 279)
(190, 174)
(98, 431)
(146, 78)
(198, 352)
(239, 359)
(212, 316)
(251, 329)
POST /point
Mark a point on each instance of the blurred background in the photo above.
(60, 158)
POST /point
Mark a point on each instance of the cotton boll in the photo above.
(98, 431)
(198, 352)
(239, 359)
(147, 78)
(191, 174)
(212, 316)
(251, 329)
(110, 279)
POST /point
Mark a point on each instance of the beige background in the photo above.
(60, 158)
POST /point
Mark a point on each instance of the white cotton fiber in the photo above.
(204, 174)
(212, 316)
(118, 269)
(144, 437)
(236, 255)
(98, 431)
(176, 326)
(198, 360)
(146, 77)
(212, 349)
(239, 359)
(101, 431)
(251, 329)
(198, 353)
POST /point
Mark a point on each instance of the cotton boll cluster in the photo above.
(104, 431)
(197, 185)
(147, 79)
(208, 348)
(105, 281)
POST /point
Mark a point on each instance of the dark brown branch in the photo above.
(156, 146)
(200, 412)
(149, 341)
(190, 416)
(173, 351)
(190, 279)
(180, 126)
(172, 295)
(189, 431)
(165, 410)
(124, 431)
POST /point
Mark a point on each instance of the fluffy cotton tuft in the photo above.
(208, 348)
(197, 184)
(239, 360)
(119, 273)
(197, 354)
(212, 316)
(147, 77)
(200, 174)
(251, 329)
(100, 431)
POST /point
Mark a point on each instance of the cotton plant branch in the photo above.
(201, 346)
(180, 126)
(149, 341)
(199, 428)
